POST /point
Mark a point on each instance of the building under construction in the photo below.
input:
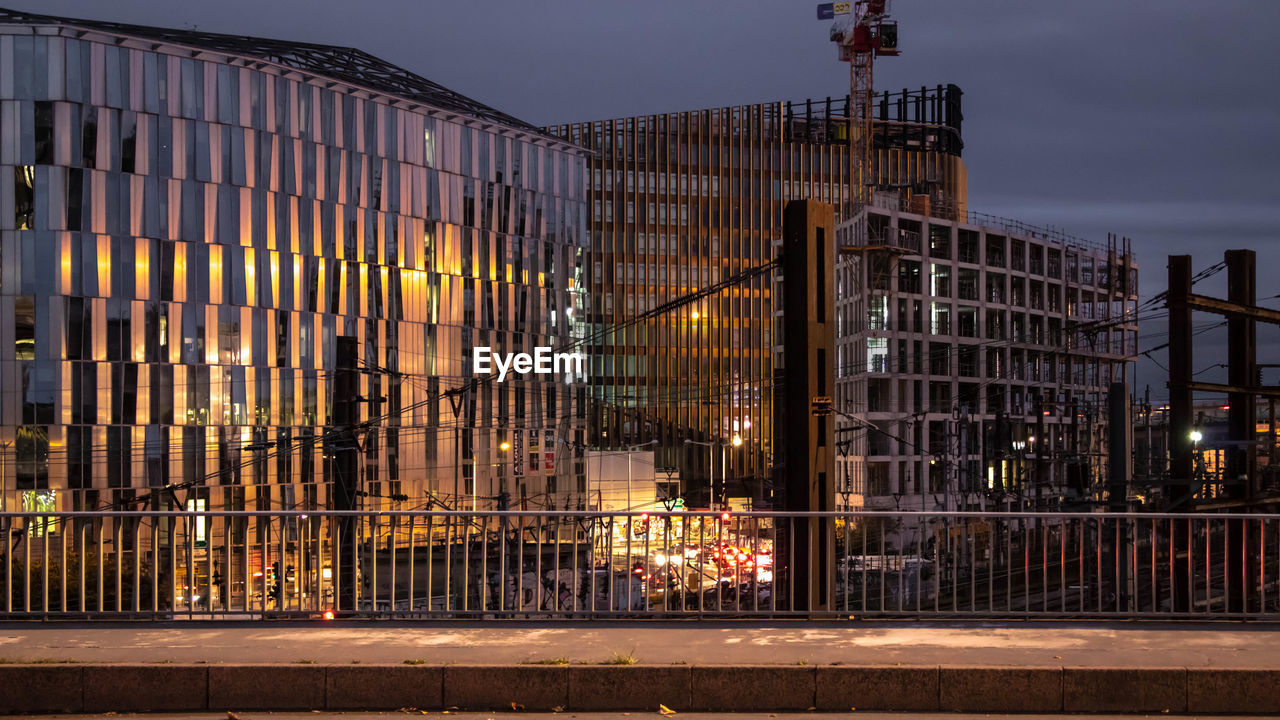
(973, 361)
(683, 201)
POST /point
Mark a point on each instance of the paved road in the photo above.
(609, 716)
(1153, 645)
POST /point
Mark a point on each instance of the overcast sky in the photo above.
(1158, 120)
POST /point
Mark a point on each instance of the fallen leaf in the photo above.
(516, 706)
(811, 708)
(1057, 657)
(230, 715)
(664, 710)
(558, 708)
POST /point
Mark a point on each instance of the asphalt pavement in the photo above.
(1151, 645)
(455, 715)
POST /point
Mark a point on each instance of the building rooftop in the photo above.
(344, 64)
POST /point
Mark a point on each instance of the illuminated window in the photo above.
(199, 523)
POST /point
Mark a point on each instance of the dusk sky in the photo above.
(1155, 120)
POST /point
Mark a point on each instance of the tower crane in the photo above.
(866, 33)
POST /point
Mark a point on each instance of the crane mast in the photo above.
(869, 35)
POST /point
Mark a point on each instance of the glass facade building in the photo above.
(188, 222)
(683, 201)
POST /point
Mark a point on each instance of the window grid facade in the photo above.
(682, 201)
(959, 339)
(183, 236)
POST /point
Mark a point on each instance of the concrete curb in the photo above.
(843, 688)
(1000, 689)
(75, 688)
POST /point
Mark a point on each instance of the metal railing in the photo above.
(444, 564)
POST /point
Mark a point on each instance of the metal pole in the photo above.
(1041, 465)
(1151, 454)
(724, 490)
(1180, 448)
(345, 459)
(711, 480)
(1271, 434)
(1180, 410)
(1242, 343)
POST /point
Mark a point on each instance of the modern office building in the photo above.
(188, 224)
(684, 201)
(973, 362)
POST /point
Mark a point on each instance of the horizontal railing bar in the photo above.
(569, 514)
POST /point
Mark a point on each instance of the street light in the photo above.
(503, 447)
(1198, 471)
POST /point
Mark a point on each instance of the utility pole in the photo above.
(1151, 455)
(1241, 485)
(1076, 471)
(346, 388)
(1271, 432)
(963, 474)
(1181, 470)
(1119, 446)
(1042, 466)
(1242, 339)
(1119, 475)
(1180, 446)
(802, 415)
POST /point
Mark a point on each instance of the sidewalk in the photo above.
(886, 666)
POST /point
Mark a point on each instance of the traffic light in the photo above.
(276, 590)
